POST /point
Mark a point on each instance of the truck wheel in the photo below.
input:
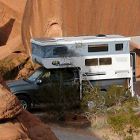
(25, 102)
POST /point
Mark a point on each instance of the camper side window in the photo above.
(37, 50)
(105, 61)
(102, 61)
(119, 47)
(98, 48)
(91, 62)
(60, 50)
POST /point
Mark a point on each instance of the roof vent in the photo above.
(100, 35)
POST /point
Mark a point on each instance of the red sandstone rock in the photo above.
(18, 124)
(36, 129)
(9, 104)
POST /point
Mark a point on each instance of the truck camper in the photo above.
(103, 60)
(66, 63)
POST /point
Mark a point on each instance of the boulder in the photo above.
(18, 124)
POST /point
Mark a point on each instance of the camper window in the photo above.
(119, 47)
(60, 50)
(98, 48)
(37, 50)
(105, 61)
(91, 62)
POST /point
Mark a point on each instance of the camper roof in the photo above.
(79, 39)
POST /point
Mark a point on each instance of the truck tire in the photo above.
(25, 102)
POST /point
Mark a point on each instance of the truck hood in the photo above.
(14, 83)
(22, 85)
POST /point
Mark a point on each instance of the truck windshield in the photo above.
(35, 75)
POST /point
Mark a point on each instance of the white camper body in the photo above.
(100, 59)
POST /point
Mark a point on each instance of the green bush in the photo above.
(93, 101)
(96, 101)
(116, 105)
(124, 120)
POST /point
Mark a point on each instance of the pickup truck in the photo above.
(46, 86)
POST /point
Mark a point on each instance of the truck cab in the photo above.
(46, 86)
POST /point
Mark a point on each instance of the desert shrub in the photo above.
(93, 100)
(123, 120)
(60, 97)
(96, 101)
(117, 95)
(116, 106)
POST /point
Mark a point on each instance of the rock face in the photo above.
(9, 104)
(18, 124)
(25, 126)
(36, 129)
(11, 13)
(80, 17)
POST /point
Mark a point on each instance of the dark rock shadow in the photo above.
(137, 51)
(5, 31)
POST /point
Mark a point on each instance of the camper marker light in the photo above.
(56, 63)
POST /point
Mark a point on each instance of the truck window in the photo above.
(35, 75)
(55, 75)
(45, 77)
(68, 75)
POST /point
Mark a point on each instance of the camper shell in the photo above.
(102, 60)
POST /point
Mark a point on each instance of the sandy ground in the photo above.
(68, 130)
(70, 134)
